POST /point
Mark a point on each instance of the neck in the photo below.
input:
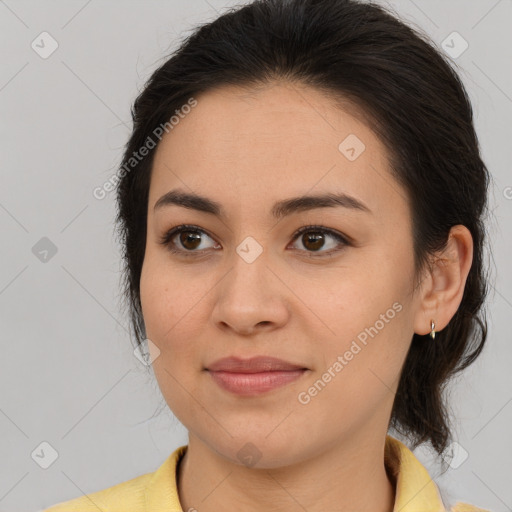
(346, 477)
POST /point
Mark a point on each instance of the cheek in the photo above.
(368, 317)
(174, 313)
(167, 298)
(352, 301)
(168, 326)
(358, 378)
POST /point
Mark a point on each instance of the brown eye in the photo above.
(185, 240)
(190, 240)
(314, 240)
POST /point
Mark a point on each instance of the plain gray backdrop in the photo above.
(68, 375)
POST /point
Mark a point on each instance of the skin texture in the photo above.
(247, 150)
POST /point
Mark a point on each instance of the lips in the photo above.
(257, 364)
(254, 376)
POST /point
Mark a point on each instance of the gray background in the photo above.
(68, 375)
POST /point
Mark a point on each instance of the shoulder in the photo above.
(466, 507)
(151, 492)
(126, 496)
(415, 489)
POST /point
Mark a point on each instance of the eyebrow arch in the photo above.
(279, 210)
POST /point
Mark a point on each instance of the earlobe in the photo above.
(447, 282)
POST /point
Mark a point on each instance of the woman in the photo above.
(301, 209)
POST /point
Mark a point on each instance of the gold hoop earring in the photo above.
(432, 332)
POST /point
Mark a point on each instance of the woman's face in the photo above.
(245, 285)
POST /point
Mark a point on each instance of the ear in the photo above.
(442, 291)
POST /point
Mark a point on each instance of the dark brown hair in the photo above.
(413, 100)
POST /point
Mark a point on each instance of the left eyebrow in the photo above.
(279, 210)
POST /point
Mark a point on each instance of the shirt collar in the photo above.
(415, 490)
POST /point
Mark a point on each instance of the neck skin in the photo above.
(346, 477)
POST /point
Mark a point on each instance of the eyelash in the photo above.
(169, 235)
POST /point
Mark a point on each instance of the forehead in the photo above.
(245, 146)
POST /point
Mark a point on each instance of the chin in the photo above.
(259, 451)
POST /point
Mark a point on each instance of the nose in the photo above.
(251, 298)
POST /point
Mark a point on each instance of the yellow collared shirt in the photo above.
(157, 491)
